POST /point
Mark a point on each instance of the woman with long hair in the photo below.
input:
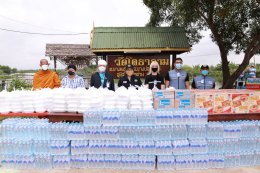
(154, 79)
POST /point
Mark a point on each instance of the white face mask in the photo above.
(45, 67)
(101, 69)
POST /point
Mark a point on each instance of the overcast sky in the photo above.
(24, 51)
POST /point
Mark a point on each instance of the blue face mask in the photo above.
(178, 66)
(204, 72)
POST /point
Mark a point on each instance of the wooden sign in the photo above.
(141, 63)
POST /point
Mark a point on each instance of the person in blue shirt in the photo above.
(203, 81)
(101, 78)
(252, 72)
(177, 78)
(72, 80)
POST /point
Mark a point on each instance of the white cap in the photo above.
(102, 62)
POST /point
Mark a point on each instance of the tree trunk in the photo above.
(252, 49)
(225, 69)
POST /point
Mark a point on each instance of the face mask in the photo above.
(71, 73)
(204, 72)
(45, 67)
(101, 69)
(178, 66)
(154, 69)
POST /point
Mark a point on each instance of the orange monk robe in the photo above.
(46, 79)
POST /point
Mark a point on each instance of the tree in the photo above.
(234, 26)
(5, 69)
(17, 84)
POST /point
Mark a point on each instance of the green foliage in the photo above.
(17, 84)
(234, 26)
(87, 71)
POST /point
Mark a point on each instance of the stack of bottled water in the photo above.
(125, 139)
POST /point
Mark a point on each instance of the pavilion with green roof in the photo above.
(139, 41)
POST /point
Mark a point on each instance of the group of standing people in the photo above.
(177, 78)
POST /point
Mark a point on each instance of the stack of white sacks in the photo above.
(75, 100)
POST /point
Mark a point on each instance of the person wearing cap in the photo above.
(203, 81)
(154, 79)
(252, 72)
(45, 78)
(177, 78)
(72, 80)
(101, 78)
(129, 79)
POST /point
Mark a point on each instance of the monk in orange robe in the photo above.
(45, 78)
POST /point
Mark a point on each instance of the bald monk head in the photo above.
(44, 64)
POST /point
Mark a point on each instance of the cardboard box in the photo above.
(204, 99)
(164, 94)
(254, 102)
(240, 102)
(222, 103)
(163, 103)
(184, 99)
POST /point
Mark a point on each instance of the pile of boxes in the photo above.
(215, 101)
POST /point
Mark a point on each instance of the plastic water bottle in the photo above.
(248, 129)
(79, 161)
(216, 160)
(128, 118)
(111, 118)
(231, 145)
(61, 162)
(198, 146)
(146, 147)
(166, 162)
(180, 147)
(247, 158)
(43, 161)
(41, 147)
(215, 146)
(60, 147)
(59, 131)
(164, 117)
(76, 131)
(163, 147)
(130, 162)
(96, 161)
(232, 160)
(92, 118)
(257, 158)
(215, 130)
(162, 132)
(179, 132)
(147, 162)
(183, 162)
(79, 147)
(197, 132)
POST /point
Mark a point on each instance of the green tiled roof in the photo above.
(139, 38)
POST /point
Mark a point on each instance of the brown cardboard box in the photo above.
(222, 103)
(163, 94)
(163, 103)
(204, 99)
(184, 99)
(254, 102)
(240, 102)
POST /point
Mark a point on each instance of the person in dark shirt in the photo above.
(154, 79)
(102, 78)
(129, 79)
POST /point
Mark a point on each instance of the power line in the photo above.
(26, 23)
(39, 33)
